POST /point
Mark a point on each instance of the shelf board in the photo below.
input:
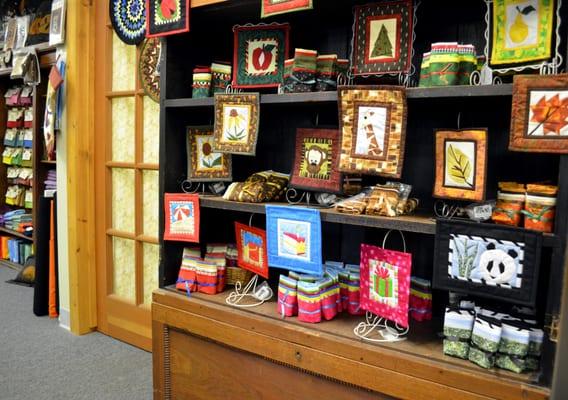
(51, 162)
(11, 265)
(15, 233)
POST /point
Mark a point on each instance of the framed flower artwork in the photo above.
(382, 39)
(259, 54)
(385, 283)
(373, 129)
(203, 163)
(539, 121)
(461, 164)
(181, 217)
(522, 31)
(236, 123)
(251, 247)
(317, 160)
(167, 17)
(294, 239)
(276, 7)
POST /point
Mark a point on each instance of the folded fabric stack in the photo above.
(326, 76)
(18, 220)
(308, 72)
(420, 301)
(211, 80)
(204, 275)
(220, 77)
(258, 188)
(51, 180)
(448, 63)
(458, 325)
(201, 82)
(353, 205)
(388, 200)
(485, 340)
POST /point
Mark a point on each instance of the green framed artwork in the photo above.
(522, 31)
(236, 123)
(203, 163)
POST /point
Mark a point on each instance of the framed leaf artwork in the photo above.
(461, 164)
(382, 39)
(522, 31)
(236, 122)
(181, 217)
(316, 164)
(167, 17)
(276, 7)
(294, 239)
(259, 54)
(539, 121)
(486, 260)
(203, 163)
(251, 247)
(385, 283)
(373, 129)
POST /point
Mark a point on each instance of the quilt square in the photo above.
(181, 217)
(167, 17)
(236, 123)
(204, 164)
(276, 7)
(251, 246)
(294, 239)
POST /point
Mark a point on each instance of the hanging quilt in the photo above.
(181, 217)
(147, 68)
(236, 123)
(128, 19)
(276, 7)
(294, 239)
(522, 31)
(486, 260)
(39, 25)
(204, 164)
(382, 39)
(167, 17)
(251, 247)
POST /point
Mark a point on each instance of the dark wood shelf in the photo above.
(50, 162)
(11, 265)
(15, 233)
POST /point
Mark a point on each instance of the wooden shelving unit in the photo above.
(15, 233)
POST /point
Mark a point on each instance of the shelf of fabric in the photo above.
(15, 233)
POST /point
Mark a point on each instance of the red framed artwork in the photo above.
(276, 7)
(181, 217)
(251, 246)
(167, 17)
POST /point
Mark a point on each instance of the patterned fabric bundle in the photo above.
(287, 296)
(540, 207)
(220, 77)
(232, 255)
(388, 200)
(448, 64)
(258, 188)
(206, 273)
(425, 70)
(217, 254)
(458, 326)
(288, 85)
(485, 340)
(303, 78)
(202, 275)
(510, 202)
(201, 82)
(309, 302)
(187, 278)
(468, 63)
(420, 301)
(514, 346)
(350, 289)
(326, 76)
(383, 200)
(342, 67)
(353, 205)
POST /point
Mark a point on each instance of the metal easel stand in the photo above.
(295, 197)
(487, 75)
(242, 297)
(377, 329)
(193, 187)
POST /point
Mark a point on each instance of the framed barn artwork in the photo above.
(236, 123)
(461, 164)
(181, 217)
(205, 164)
(167, 17)
(316, 164)
(251, 247)
(277, 7)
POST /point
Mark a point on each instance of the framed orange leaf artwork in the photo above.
(539, 120)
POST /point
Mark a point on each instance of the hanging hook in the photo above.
(459, 120)
(317, 118)
(250, 219)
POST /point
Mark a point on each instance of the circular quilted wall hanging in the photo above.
(147, 68)
(128, 19)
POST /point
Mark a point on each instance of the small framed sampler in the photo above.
(539, 120)
(167, 17)
(236, 122)
(203, 163)
(485, 260)
(522, 31)
(382, 39)
(259, 54)
(316, 164)
(182, 217)
(294, 239)
(251, 247)
(461, 164)
(276, 7)
(385, 283)
(373, 129)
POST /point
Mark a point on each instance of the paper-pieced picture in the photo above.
(382, 42)
(205, 164)
(294, 239)
(276, 7)
(236, 122)
(372, 122)
(385, 283)
(167, 17)
(251, 247)
(128, 18)
(522, 31)
(316, 164)
(484, 260)
(147, 67)
(461, 164)
(539, 120)
(181, 217)
(259, 54)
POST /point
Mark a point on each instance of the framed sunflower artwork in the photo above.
(259, 54)
(236, 123)
(521, 31)
(167, 17)
(461, 164)
(277, 7)
(203, 163)
(539, 120)
(251, 247)
(181, 217)
(316, 164)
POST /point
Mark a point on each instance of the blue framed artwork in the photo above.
(294, 239)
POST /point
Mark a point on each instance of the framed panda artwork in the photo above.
(486, 260)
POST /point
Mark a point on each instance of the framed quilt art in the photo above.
(485, 260)
(317, 160)
(167, 17)
(522, 31)
(294, 239)
(382, 39)
(539, 120)
(236, 123)
(259, 54)
(373, 129)
(182, 217)
(128, 18)
(204, 164)
(276, 7)
(251, 247)
(461, 164)
(147, 67)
